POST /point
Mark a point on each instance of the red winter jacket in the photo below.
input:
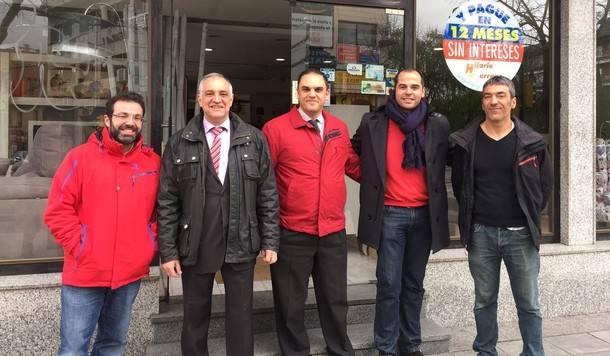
(310, 173)
(101, 211)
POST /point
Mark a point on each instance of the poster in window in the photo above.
(482, 39)
(372, 87)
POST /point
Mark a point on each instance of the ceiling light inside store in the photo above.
(280, 59)
(208, 49)
(438, 48)
(327, 62)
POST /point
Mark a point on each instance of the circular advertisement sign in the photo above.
(482, 39)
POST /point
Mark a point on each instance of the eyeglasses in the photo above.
(123, 116)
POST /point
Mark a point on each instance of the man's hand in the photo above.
(172, 268)
(269, 257)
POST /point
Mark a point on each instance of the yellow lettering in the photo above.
(469, 68)
(478, 33)
(490, 34)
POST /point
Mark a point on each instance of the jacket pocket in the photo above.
(152, 237)
(81, 245)
(184, 237)
(250, 164)
(135, 177)
(532, 185)
(255, 239)
(186, 166)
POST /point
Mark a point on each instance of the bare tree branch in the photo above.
(603, 14)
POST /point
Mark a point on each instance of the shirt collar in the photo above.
(207, 126)
(305, 117)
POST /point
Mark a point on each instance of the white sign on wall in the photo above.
(320, 28)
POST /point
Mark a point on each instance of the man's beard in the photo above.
(115, 133)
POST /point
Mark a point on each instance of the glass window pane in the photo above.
(361, 61)
(367, 34)
(348, 32)
(460, 104)
(58, 66)
(602, 209)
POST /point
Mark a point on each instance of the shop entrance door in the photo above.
(360, 50)
(262, 46)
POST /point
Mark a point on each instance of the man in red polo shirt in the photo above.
(403, 206)
(311, 153)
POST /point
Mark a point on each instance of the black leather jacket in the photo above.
(254, 207)
(533, 174)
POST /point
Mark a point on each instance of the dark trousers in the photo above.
(401, 266)
(325, 259)
(197, 290)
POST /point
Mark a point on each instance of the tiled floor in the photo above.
(571, 335)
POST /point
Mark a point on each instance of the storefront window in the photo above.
(358, 48)
(602, 149)
(461, 104)
(58, 66)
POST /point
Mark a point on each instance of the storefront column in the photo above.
(577, 122)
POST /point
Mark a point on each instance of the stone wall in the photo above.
(573, 280)
(30, 304)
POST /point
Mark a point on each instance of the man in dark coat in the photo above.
(502, 176)
(217, 209)
(403, 206)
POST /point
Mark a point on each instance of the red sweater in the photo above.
(101, 211)
(404, 187)
(310, 173)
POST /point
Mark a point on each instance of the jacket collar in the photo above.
(526, 136)
(105, 142)
(193, 131)
(296, 120)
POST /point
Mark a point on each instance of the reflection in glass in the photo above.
(360, 49)
(461, 104)
(58, 66)
(602, 148)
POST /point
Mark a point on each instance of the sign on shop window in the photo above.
(482, 39)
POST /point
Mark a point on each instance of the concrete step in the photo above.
(167, 325)
(435, 341)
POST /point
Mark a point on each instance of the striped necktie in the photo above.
(314, 123)
(215, 149)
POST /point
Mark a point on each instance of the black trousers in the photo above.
(325, 259)
(197, 290)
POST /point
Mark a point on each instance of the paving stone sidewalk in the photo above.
(573, 335)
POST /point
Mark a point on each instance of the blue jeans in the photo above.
(488, 247)
(82, 308)
(401, 266)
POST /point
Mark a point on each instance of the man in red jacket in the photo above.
(101, 211)
(311, 153)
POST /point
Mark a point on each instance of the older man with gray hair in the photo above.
(217, 209)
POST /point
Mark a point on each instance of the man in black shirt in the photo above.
(502, 176)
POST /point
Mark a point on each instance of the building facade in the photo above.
(60, 60)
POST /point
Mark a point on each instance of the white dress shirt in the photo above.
(225, 144)
(320, 119)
